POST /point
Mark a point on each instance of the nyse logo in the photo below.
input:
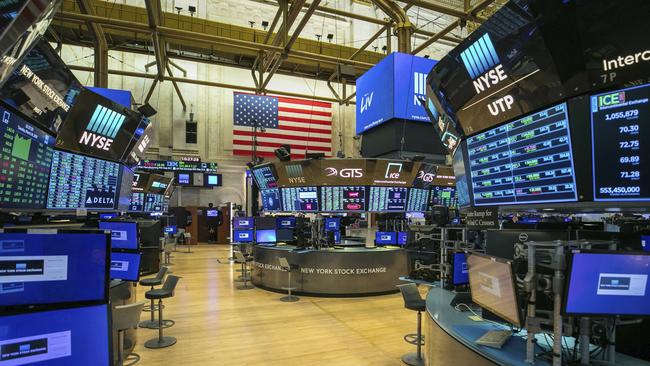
(426, 177)
(297, 180)
(366, 101)
(419, 87)
(393, 170)
(344, 173)
(143, 145)
(102, 128)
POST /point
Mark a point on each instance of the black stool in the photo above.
(243, 260)
(165, 292)
(413, 301)
(155, 281)
(284, 264)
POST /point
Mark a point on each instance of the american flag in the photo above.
(306, 125)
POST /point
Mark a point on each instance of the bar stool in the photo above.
(126, 317)
(284, 264)
(413, 301)
(187, 240)
(241, 259)
(169, 248)
(165, 292)
(155, 281)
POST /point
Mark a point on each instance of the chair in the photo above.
(187, 240)
(126, 317)
(284, 264)
(154, 281)
(169, 248)
(241, 259)
(165, 292)
(413, 301)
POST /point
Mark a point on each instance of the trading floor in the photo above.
(219, 325)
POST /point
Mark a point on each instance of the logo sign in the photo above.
(523, 237)
(393, 170)
(609, 100)
(119, 235)
(96, 199)
(344, 173)
(295, 174)
(121, 266)
(144, 143)
(366, 101)
(480, 57)
(426, 177)
(419, 87)
(102, 128)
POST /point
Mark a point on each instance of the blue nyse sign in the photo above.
(392, 89)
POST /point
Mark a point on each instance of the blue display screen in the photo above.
(172, 229)
(243, 236)
(271, 199)
(286, 222)
(645, 243)
(107, 216)
(333, 224)
(243, 222)
(124, 235)
(265, 236)
(125, 266)
(385, 238)
(77, 336)
(402, 238)
(461, 273)
(609, 284)
(52, 268)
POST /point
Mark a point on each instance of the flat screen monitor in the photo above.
(385, 238)
(125, 266)
(284, 235)
(300, 199)
(27, 156)
(444, 196)
(332, 223)
(402, 238)
(343, 198)
(212, 180)
(159, 184)
(136, 204)
(265, 176)
(492, 285)
(501, 243)
(141, 182)
(621, 144)
(124, 234)
(243, 223)
(263, 223)
(108, 216)
(154, 202)
(645, 243)
(265, 236)
(171, 229)
(65, 266)
(418, 200)
(243, 236)
(212, 213)
(526, 161)
(285, 222)
(460, 273)
(184, 178)
(463, 192)
(387, 199)
(74, 336)
(271, 200)
(608, 284)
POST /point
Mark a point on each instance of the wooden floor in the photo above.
(216, 324)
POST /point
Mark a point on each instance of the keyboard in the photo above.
(494, 338)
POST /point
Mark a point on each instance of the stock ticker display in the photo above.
(271, 199)
(444, 196)
(300, 199)
(25, 166)
(343, 198)
(528, 160)
(620, 145)
(154, 203)
(387, 199)
(137, 202)
(418, 200)
(265, 177)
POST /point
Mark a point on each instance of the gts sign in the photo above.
(344, 173)
(102, 128)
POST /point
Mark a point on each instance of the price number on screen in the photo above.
(632, 113)
(631, 129)
(634, 174)
(632, 144)
(634, 159)
(619, 191)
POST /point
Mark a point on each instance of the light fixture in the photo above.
(330, 36)
(252, 23)
(283, 153)
(265, 24)
(318, 37)
(191, 9)
(426, 56)
(384, 49)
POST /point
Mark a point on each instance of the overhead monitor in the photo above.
(387, 199)
(212, 180)
(285, 222)
(184, 178)
(173, 165)
(27, 156)
(137, 202)
(526, 161)
(108, 215)
(73, 336)
(78, 181)
(267, 222)
(243, 222)
(265, 236)
(608, 284)
(463, 192)
(212, 213)
(492, 284)
(444, 196)
(243, 236)
(300, 199)
(124, 234)
(460, 271)
(159, 184)
(418, 200)
(171, 229)
(265, 176)
(343, 198)
(402, 238)
(386, 238)
(125, 266)
(64, 266)
(271, 199)
(621, 144)
(141, 182)
(154, 203)
(332, 224)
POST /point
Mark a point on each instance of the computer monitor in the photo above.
(402, 238)
(385, 238)
(124, 234)
(285, 222)
(332, 223)
(645, 243)
(492, 285)
(171, 229)
(501, 243)
(284, 235)
(65, 266)
(150, 233)
(608, 284)
(108, 216)
(459, 275)
(212, 213)
(264, 223)
(243, 223)
(243, 236)
(265, 236)
(74, 336)
(125, 266)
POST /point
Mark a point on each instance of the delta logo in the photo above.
(102, 128)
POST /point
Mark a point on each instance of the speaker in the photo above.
(147, 110)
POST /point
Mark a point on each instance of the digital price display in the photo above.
(271, 199)
(344, 198)
(418, 200)
(387, 199)
(528, 160)
(621, 145)
(154, 203)
(25, 166)
(172, 165)
(300, 199)
(265, 176)
(444, 196)
(137, 202)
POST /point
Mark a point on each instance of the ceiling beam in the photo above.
(436, 37)
(154, 15)
(439, 8)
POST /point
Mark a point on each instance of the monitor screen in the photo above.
(184, 178)
(265, 176)
(271, 200)
(460, 273)
(385, 238)
(61, 267)
(265, 236)
(285, 222)
(170, 230)
(243, 223)
(462, 180)
(75, 336)
(263, 223)
(124, 234)
(645, 243)
(418, 200)
(332, 223)
(608, 284)
(212, 180)
(154, 203)
(26, 156)
(387, 199)
(343, 198)
(402, 238)
(137, 202)
(141, 182)
(444, 196)
(125, 266)
(243, 236)
(175, 165)
(159, 184)
(528, 160)
(300, 199)
(212, 213)
(618, 125)
(284, 235)
(108, 216)
(492, 285)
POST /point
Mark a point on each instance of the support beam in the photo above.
(436, 37)
(100, 45)
(480, 6)
(437, 7)
(402, 24)
(178, 90)
(154, 16)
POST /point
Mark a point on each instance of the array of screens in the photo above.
(192, 179)
(391, 238)
(263, 229)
